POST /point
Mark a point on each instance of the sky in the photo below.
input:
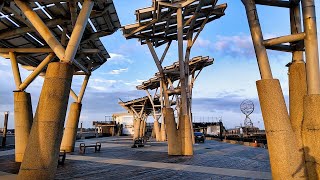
(219, 89)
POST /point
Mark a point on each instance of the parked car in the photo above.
(199, 137)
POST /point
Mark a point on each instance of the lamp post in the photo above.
(81, 131)
(5, 127)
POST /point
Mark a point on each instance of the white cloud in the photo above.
(4, 62)
(235, 46)
(119, 59)
(118, 71)
(106, 85)
(202, 42)
(98, 80)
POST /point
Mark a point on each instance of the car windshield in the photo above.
(198, 133)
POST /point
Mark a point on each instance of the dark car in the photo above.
(199, 137)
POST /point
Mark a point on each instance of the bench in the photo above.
(62, 157)
(83, 147)
(139, 142)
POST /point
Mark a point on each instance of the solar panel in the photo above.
(173, 72)
(17, 32)
(158, 23)
(142, 103)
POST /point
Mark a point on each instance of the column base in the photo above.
(185, 135)
(174, 141)
(41, 155)
(311, 134)
(70, 132)
(23, 117)
(285, 157)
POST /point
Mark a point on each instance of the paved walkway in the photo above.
(212, 160)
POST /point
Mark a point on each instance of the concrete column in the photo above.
(185, 135)
(285, 158)
(311, 122)
(297, 91)
(144, 127)
(310, 135)
(70, 131)
(141, 128)
(41, 155)
(136, 126)
(163, 131)
(156, 130)
(174, 141)
(23, 121)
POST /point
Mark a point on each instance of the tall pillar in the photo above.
(185, 135)
(156, 130)
(311, 122)
(163, 131)
(70, 131)
(174, 140)
(144, 127)
(141, 128)
(285, 157)
(310, 135)
(297, 91)
(136, 126)
(297, 80)
(23, 117)
(41, 155)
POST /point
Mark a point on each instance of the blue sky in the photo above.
(218, 91)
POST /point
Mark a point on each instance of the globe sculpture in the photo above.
(247, 107)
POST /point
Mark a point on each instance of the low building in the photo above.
(212, 129)
(126, 120)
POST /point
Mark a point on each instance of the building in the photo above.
(126, 120)
(213, 129)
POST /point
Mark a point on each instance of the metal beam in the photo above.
(26, 50)
(165, 52)
(296, 27)
(15, 69)
(73, 95)
(257, 38)
(281, 47)
(311, 46)
(277, 3)
(36, 72)
(83, 88)
(42, 29)
(284, 39)
(81, 67)
(78, 30)
(26, 29)
(184, 101)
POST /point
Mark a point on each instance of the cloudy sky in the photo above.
(218, 91)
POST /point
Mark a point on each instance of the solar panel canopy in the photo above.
(142, 103)
(17, 32)
(158, 23)
(173, 72)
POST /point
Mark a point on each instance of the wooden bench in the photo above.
(62, 157)
(83, 147)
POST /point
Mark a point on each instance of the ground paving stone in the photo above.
(209, 154)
